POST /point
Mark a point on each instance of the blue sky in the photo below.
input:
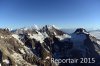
(62, 13)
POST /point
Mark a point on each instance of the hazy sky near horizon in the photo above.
(62, 13)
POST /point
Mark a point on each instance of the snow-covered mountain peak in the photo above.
(55, 26)
(36, 27)
(52, 30)
(50, 27)
(80, 30)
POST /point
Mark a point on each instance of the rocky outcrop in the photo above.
(51, 30)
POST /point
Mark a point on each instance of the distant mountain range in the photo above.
(36, 46)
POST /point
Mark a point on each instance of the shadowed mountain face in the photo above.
(36, 47)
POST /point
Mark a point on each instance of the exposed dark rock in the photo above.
(50, 30)
(80, 30)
